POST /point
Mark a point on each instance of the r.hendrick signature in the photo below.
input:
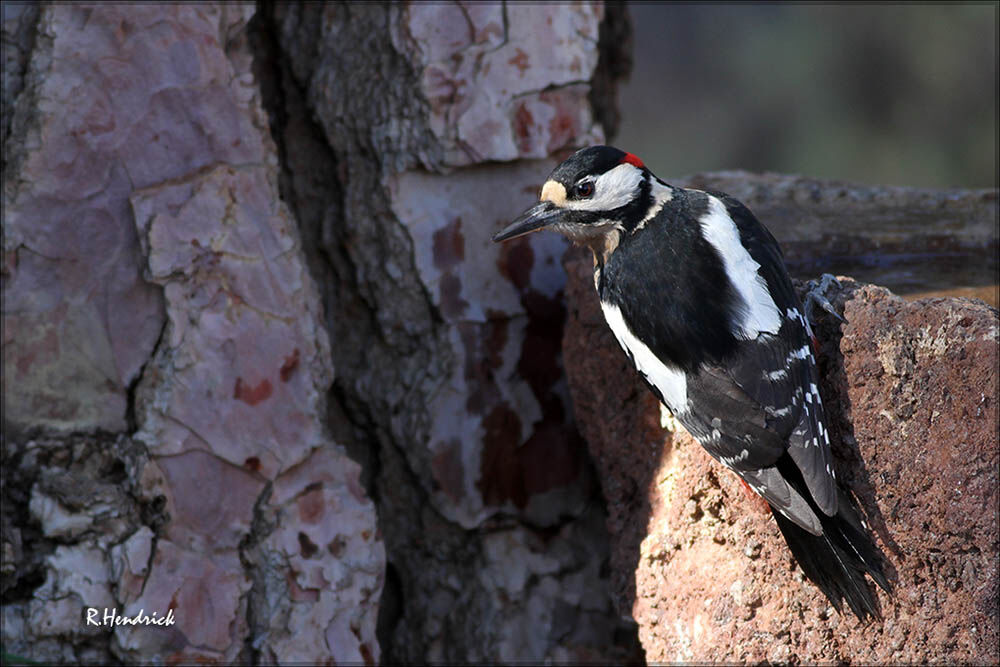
(112, 618)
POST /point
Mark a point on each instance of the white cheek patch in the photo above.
(759, 312)
(668, 380)
(612, 189)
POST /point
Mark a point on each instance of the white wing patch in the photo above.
(802, 353)
(759, 312)
(612, 189)
(668, 380)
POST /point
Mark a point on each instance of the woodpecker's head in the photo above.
(596, 191)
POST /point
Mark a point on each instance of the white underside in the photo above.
(668, 380)
(759, 312)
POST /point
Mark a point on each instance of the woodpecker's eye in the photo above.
(585, 189)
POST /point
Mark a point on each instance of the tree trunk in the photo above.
(438, 123)
(237, 250)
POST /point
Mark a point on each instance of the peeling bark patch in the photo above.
(511, 471)
(311, 507)
(198, 479)
(491, 30)
(515, 262)
(495, 338)
(296, 592)
(440, 89)
(448, 469)
(252, 395)
(525, 51)
(46, 350)
(552, 457)
(366, 654)
(291, 363)
(520, 61)
(501, 478)
(306, 546)
(541, 348)
(566, 122)
(524, 122)
(336, 546)
(449, 245)
(483, 345)
(482, 395)
(450, 293)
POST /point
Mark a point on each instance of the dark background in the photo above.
(878, 94)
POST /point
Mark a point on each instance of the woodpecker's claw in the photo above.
(814, 297)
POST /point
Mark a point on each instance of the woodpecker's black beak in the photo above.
(538, 216)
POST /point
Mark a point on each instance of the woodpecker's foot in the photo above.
(814, 297)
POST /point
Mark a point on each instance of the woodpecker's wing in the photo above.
(779, 372)
(744, 399)
(741, 440)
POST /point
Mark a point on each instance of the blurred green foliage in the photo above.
(880, 94)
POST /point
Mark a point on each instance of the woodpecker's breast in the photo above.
(671, 287)
(669, 381)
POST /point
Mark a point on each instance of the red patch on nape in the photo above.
(632, 160)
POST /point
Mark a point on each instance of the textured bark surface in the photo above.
(448, 380)
(164, 349)
(79, 321)
(911, 390)
(195, 205)
(249, 299)
(18, 28)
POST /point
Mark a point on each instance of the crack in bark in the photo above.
(260, 528)
(614, 64)
(23, 40)
(131, 421)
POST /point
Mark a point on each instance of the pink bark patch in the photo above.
(311, 507)
(449, 245)
(520, 61)
(291, 363)
(524, 121)
(452, 303)
(515, 262)
(252, 395)
(448, 470)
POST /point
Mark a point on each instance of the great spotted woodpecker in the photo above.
(697, 294)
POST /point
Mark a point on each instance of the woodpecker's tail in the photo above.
(838, 560)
